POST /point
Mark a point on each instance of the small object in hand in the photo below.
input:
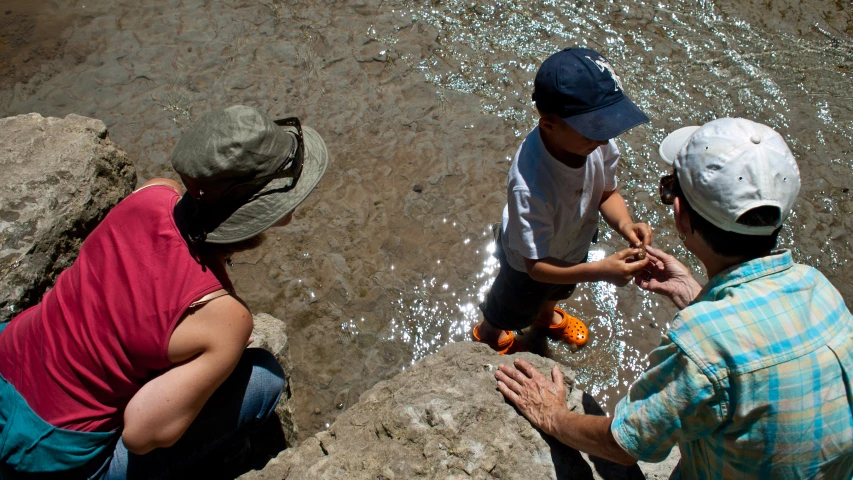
(642, 254)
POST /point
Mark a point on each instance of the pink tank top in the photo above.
(103, 330)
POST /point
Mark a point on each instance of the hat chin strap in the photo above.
(189, 220)
(196, 234)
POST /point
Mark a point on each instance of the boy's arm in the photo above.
(553, 270)
(617, 269)
(615, 213)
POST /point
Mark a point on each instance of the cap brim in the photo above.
(608, 122)
(674, 142)
(272, 204)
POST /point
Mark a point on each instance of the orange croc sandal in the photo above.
(502, 347)
(570, 330)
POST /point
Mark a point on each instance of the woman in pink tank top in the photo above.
(135, 362)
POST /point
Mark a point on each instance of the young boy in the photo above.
(563, 175)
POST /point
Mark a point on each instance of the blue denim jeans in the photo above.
(236, 410)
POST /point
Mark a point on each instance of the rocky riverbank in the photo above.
(60, 178)
(441, 418)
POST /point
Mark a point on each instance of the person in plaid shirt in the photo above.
(753, 377)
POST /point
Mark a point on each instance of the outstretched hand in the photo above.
(540, 400)
(667, 276)
(621, 267)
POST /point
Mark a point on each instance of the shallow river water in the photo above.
(422, 105)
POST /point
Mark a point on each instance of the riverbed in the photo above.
(422, 105)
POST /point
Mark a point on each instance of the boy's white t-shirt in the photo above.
(552, 209)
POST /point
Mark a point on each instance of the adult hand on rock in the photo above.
(540, 400)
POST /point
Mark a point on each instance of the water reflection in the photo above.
(391, 253)
(685, 62)
(432, 314)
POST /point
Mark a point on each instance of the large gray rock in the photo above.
(60, 178)
(443, 418)
(271, 335)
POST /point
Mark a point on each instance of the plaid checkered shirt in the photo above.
(752, 380)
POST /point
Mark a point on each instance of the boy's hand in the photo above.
(620, 268)
(637, 234)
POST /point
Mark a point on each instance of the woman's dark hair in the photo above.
(228, 249)
(192, 227)
(731, 244)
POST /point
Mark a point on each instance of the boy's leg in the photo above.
(238, 407)
(515, 301)
(559, 324)
(491, 335)
(548, 316)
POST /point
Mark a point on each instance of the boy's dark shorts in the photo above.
(515, 299)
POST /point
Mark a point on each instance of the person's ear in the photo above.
(547, 123)
(682, 219)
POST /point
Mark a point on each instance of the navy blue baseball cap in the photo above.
(581, 87)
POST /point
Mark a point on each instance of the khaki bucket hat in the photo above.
(244, 172)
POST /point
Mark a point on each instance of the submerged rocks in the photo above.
(443, 418)
(60, 178)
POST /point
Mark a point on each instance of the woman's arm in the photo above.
(206, 346)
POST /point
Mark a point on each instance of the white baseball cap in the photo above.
(730, 166)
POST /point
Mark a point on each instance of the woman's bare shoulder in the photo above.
(219, 322)
(166, 182)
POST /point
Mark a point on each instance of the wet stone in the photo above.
(442, 416)
(417, 188)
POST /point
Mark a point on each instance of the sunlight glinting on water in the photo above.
(426, 319)
(723, 64)
(683, 63)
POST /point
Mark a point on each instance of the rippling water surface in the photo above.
(683, 63)
(422, 105)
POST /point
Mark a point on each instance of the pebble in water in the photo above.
(317, 411)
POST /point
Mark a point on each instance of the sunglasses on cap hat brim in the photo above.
(668, 186)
